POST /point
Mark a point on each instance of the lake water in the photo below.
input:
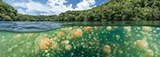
(79, 39)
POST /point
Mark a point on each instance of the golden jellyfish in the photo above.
(45, 44)
(146, 28)
(68, 29)
(31, 35)
(55, 46)
(60, 34)
(109, 28)
(117, 37)
(68, 37)
(87, 29)
(149, 52)
(65, 42)
(107, 49)
(98, 27)
(68, 47)
(18, 36)
(127, 28)
(38, 40)
(77, 33)
(142, 44)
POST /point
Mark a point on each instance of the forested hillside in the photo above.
(114, 10)
(6, 11)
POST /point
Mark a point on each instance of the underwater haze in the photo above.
(83, 40)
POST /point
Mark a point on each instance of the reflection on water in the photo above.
(83, 41)
(28, 26)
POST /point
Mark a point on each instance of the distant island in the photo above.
(114, 10)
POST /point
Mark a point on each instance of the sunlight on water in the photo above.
(83, 41)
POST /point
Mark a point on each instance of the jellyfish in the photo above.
(107, 49)
(87, 29)
(18, 36)
(98, 27)
(31, 35)
(77, 33)
(68, 29)
(146, 28)
(68, 47)
(109, 28)
(60, 34)
(38, 39)
(68, 37)
(117, 37)
(55, 46)
(142, 44)
(149, 52)
(45, 44)
(127, 28)
(65, 42)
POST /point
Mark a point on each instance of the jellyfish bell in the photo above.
(87, 29)
(127, 28)
(109, 28)
(45, 44)
(77, 33)
(65, 42)
(68, 29)
(143, 44)
(146, 28)
(68, 47)
(68, 37)
(107, 49)
(117, 37)
(149, 52)
(31, 35)
(18, 36)
(38, 40)
(98, 27)
(60, 34)
(55, 46)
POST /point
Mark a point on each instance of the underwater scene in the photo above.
(83, 41)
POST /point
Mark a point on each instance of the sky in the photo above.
(52, 7)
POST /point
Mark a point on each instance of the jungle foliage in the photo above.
(114, 10)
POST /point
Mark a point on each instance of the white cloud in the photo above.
(21, 11)
(51, 7)
(85, 4)
(58, 6)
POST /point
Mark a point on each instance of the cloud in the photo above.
(51, 7)
(58, 6)
(85, 4)
(21, 11)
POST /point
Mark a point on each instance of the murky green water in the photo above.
(83, 41)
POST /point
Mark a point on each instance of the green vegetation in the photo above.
(6, 11)
(114, 10)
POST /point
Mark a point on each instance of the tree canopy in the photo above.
(114, 10)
